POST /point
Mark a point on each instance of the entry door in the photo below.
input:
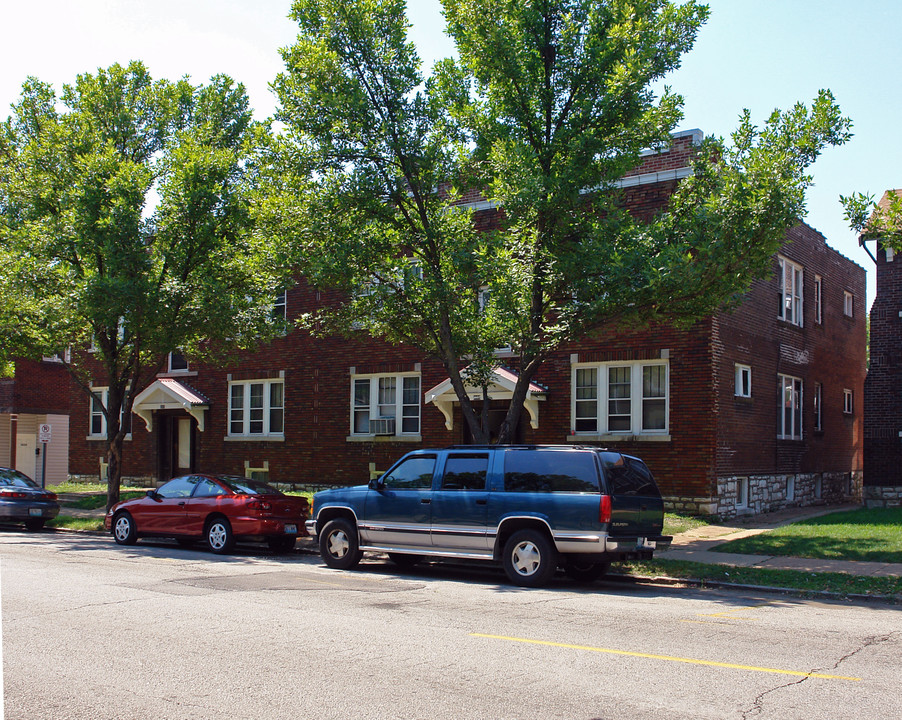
(175, 446)
(26, 460)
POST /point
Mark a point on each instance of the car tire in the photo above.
(404, 561)
(124, 530)
(338, 545)
(34, 525)
(219, 537)
(281, 543)
(530, 558)
(585, 570)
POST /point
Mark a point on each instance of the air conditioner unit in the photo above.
(382, 426)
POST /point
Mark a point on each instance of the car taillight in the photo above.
(13, 494)
(50, 496)
(259, 505)
(604, 509)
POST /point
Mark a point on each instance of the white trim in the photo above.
(372, 380)
(245, 409)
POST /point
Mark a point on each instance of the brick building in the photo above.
(37, 395)
(744, 412)
(882, 396)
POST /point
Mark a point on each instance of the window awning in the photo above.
(501, 387)
(169, 394)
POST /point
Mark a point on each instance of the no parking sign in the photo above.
(44, 433)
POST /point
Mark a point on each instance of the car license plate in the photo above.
(291, 529)
(35, 512)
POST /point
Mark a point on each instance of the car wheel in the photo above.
(219, 536)
(34, 525)
(530, 558)
(403, 560)
(338, 545)
(124, 530)
(586, 570)
(281, 543)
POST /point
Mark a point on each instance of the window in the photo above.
(542, 471)
(465, 471)
(789, 423)
(743, 381)
(742, 493)
(628, 476)
(257, 408)
(385, 404)
(790, 292)
(847, 303)
(847, 402)
(177, 362)
(818, 407)
(97, 421)
(279, 307)
(414, 473)
(618, 398)
(818, 299)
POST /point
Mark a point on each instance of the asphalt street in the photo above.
(94, 630)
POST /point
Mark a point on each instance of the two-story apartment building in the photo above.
(744, 412)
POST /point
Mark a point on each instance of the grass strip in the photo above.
(839, 583)
(873, 535)
(76, 523)
(91, 501)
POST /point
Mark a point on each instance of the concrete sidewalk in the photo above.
(698, 545)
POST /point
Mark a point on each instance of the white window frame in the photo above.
(847, 405)
(743, 380)
(848, 303)
(177, 370)
(791, 297)
(598, 395)
(742, 493)
(818, 407)
(818, 299)
(399, 410)
(104, 393)
(245, 415)
(795, 387)
(280, 306)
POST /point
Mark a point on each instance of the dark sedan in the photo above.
(23, 500)
(219, 509)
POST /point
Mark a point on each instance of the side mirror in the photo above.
(377, 484)
(153, 495)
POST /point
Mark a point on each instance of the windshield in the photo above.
(13, 478)
(247, 486)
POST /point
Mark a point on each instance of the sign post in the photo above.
(44, 433)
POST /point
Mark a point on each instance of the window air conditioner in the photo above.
(382, 426)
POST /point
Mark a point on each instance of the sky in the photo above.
(755, 54)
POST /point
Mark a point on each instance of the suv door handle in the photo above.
(482, 502)
(425, 501)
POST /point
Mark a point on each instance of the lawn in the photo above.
(873, 535)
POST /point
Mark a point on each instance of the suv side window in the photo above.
(550, 471)
(465, 472)
(415, 473)
(628, 476)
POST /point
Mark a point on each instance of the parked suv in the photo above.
(532, 508)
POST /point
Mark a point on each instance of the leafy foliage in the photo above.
(547, 106)
(127, 226)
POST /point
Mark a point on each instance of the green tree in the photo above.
(876, 221)
(548, 104)
(127, 228)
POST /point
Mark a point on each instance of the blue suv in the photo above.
(531, 508)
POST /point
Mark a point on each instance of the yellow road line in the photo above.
(650, 656)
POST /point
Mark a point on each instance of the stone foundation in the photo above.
(756, 494)
(137, 481)
(883, 497)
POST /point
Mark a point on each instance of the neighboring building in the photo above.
(883, 387)
(743, 412)
(36, 396)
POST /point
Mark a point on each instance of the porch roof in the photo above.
(170, 394)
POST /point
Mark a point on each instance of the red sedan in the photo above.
(219, 509)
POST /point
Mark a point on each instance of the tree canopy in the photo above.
(126, 227)
(547, 104)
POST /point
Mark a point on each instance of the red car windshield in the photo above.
(246, 486)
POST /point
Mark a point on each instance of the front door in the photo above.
(399, 515)
(26, 458)
(175, 446)
(497, 413)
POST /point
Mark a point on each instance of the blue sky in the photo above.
(755, 54)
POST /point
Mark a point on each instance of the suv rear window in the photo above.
(628, 476)
(550, 471)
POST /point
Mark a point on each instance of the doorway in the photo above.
(497, 413)
(175, 445)
(26, 455)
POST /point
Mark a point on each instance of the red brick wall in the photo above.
(38, 388)
(831, 353)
